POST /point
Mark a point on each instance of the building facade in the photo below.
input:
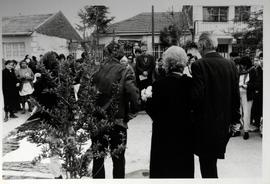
(137, 31)
(37, 34)
(223, 21)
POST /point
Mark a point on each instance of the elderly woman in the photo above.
(169, 108)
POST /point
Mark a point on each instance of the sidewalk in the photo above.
(243, 157)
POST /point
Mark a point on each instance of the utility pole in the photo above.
(153, 31)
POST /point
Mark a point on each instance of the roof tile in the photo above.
(142, 23)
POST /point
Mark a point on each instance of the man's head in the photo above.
(144, 49)
(233, 55)
(138, 52)
(207, 43)
(115, 50)
(10, 64)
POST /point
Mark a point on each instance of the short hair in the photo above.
(175, 59)
(246, 61)
(261, 55)
(138, 50)
(207, 41)
(234, 54)
(143, 48)
(9, 61)
(84, 54)
(62, 56)
(70, 57)
(111, 46)
(189, 55)
(23, 61)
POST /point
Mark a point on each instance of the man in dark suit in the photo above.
(216, 102)
(145, 67)
(110, 73)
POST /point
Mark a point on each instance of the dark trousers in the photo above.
(118, 136)
(208, 166)
(257, 108)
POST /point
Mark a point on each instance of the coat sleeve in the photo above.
(235, 98)
(138, 66)
(131, 89)
(198, 85)
(151, 69)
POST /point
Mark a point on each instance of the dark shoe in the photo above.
(59, 177)
(6, 119)
(235, 134)
(13, 116)
(246, 136)
(23, 111)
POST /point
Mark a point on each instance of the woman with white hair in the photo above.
(169, 108)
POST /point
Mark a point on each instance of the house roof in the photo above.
(142, 23)
(49, 24)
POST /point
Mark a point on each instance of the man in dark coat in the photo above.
(110, 73)
(145, 67)
(10, 91)
(216, 104)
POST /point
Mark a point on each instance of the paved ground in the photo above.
(243, 157)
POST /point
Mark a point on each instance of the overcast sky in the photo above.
(120, 9)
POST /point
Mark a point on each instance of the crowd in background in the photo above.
(18, 78)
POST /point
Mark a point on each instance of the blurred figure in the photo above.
(169, 108)
(191, 59)
(33, 64)
(192, 49)
(83, 58)
(26, 77)
(9, 88)
(257, 106)
(234, 57)
(144, 70)
(247, 91)
(61, 58)
(40, 57)
(137, 53)
(159, 70)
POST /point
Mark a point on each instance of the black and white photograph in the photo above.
(134, 89)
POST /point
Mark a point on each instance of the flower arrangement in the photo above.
(146, 93)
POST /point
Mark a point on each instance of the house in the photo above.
(223, 21)
(137, 30)
(37, 34)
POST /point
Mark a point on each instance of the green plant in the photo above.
(66, 126)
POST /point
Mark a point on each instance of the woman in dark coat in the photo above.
(169, 108)
(10, 91)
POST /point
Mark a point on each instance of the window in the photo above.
(215, 14)
(222, 49)
(242, 13)
(13, 50)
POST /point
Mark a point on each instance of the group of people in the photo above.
(195, 103)
(19, 82)
(251, 92)
(17, 87)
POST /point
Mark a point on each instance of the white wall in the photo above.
(40, 44)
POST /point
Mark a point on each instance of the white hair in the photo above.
(175, 59)
(207, 41)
